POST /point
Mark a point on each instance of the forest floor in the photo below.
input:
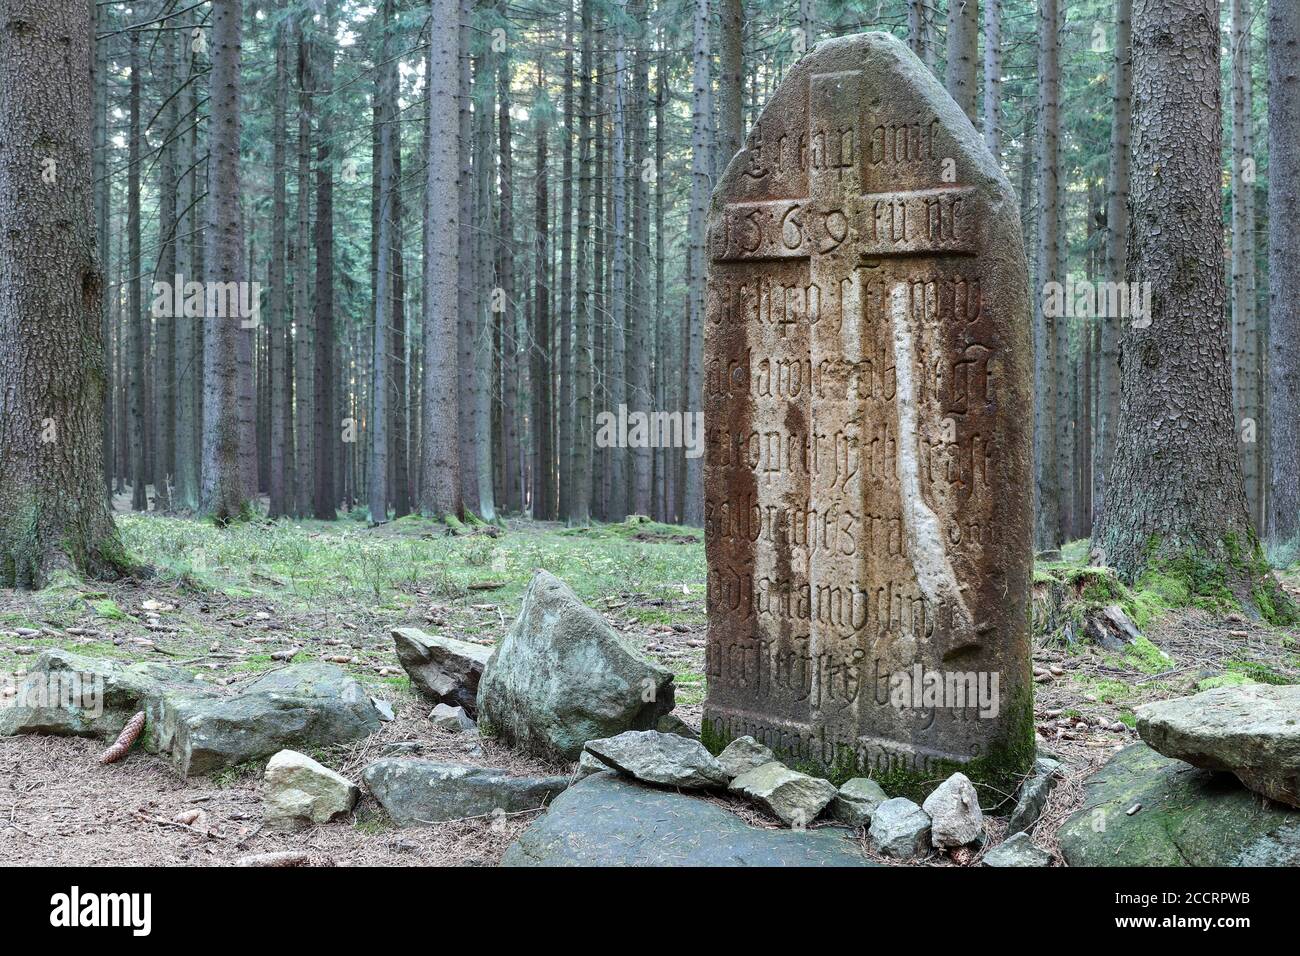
(223, 601)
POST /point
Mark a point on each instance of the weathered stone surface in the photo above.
(672, 724)
(589, 763)
(868, 479)
(304, 705)
(1033, 794)
(1188, 817)
(563, 676)
(607, 820)
(792, 797)
(1017, 850)
(299, 788)
(901, 829)
(1252, 730)
(199, 727)
(443, 669)
(665, 759)
(857, 801)
(744, 754)
(954, 811)
(421, 791)
(452, 719)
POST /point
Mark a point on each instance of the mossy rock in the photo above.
(1188, 817)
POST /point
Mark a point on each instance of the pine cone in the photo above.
(130, 733)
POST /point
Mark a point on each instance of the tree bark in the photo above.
(326, 436)
(53, 379)
(963, 54)
(281, 447)
(579, 512)
(1046, 379)
(701, 110)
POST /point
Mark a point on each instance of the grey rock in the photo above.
(299, 788)
(672, 724)
(901, 829)
(589, 763)
(1033, 794)
(452, 719)
(562, 676)
(199, 727)
(857, 801)
(301, 706)
(664, 759)
(608, 820)
(744, 754)
(794, 798)
(1189, 817)
(421, 791)
(384, 709)
(1252, 730)
(954, 811)
(443, 669)
(1017, 850)
(1111, 629)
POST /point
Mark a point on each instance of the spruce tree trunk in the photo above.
(963, 54)
(1117, 180)
(281, 418)
(440, 488)
(467, 428)
(618, 457)
(731, 121)
(565, 410)
(165, 327)
(326, 433)
(136, 325)
(579, 512)
(1175, 495)
(224, 496)
(1284, 279)
(1046, 379)
(507, 314)
(304, 378)
(53, 379)
(638, 354)
(380, 386)
(701, 111)
(993, 76)
(189, 357)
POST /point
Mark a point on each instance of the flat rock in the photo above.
(299, 788)
(793, 797)
(563, 676)
(1033, 794)
(443, 669)
(422, 791)
(1017, 850)
(901, 829)
(1252, 730)
(744, 754)
(300, 706)
(857, 801)
(608, 820)
(452, 719)
(664, 759)
(199, 727)
(954, 811)
(1188, 817)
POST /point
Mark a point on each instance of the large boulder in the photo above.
(301, 706)
(1017, 850)
(1143, 809)
(443, 669)
(607, 820)
(792, 797)
(562, 676)
(954, 811)
(422, 791)
(668, 760)
(299, 788)
(1252, 730)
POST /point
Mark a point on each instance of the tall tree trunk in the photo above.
(189, 356)
(467, 428)
(440, 487)
(1245, 329)
(304, 378)
(1047, 521)
(281, 421)
(701, 110)
(540, 340)
(565, 410)
(224, 493)
(381, 387)
(103, 210)
(618, 277)
(579, 512)
(731, 122)
(639, 357)
(325, 439)
(166, 272)
(136, 325)
(1175, 492)
(919, 20)
(993, 76)
(1117, 180)
(53, 511)
(963, 53)
(484, 244)
(507, 314)
(1284, 282)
